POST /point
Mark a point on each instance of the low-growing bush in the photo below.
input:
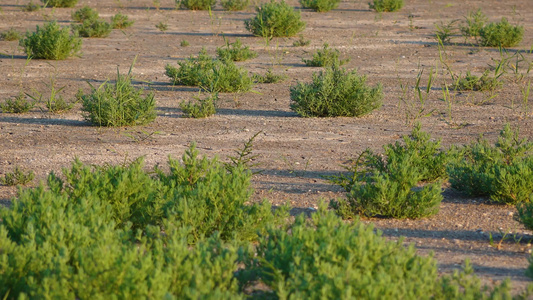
(85, 13)
(17, 177)
(60, 3)
(325, 58)
(275, 19)
(269, 77)
(196, 4)
(320, 5)
(120, 21)
(20, 104)
(192, 70)
(444, 32)
(162, 26)
(234, 5)
(92, 28)
(201, 108)
(235, 52)
(51, 42)
(475, 83)
(301, 41)
(501, 34)
(386, 5)
(335, 92)
(475, 21)
(10, 35)
(185, 43)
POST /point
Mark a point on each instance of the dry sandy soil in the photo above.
(294, 153)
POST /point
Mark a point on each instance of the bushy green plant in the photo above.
(475, 83)
(445, 31)
(335, 92)
(92, 28)
(185, 43)
(325, 58)
(320, 5)
(501, 34)
(504, 172)
(10, 35)
(525, 216)
(162, 26)
(269, 77)
(85, 13)
(60, 3)
(190, 71)
(275, 19)
(386, 5)
(234, 5)
(120, 21)
(17, 177)
(201, 108)
(20, 104)
(196, 4)
(235, 52)
(475, 21)
(118, 104)
(51, 42)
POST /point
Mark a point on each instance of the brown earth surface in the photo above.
(294, 153)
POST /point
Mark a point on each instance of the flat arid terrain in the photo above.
(294, 154)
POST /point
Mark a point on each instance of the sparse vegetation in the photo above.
(17, 177)
(85, 13)
(325, 58)
(445, 31)
(120, 21)
(475, 21)
(92, 28)
(269, 77)
(234, 5)
(196, 4)
(320, 5)
(162, 26)
(60, 3)
(10, 35)
(301, 41)
(184, 43)
(51, 42)
(501, 34)
(200, 108)
(31, 7)
(475, 83)
(386, 5)
(235, 52)
(275, 19)
(20, 104)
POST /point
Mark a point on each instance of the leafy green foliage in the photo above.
(185, 43)
(10, 35)
(60, 3)
(325, 58)
(525, 216)
(386, 5)
(192, 70)
(503, 171)
(92, 28)
(501, 34)
(234, 5)
(475, 21)
(275, 19)
(196, 4)
(17, 177)
(269, 77)
(335, 92)
(120, 21)
(445, 31)
(119, 104)
(235, 52)
(388, 185)
(85, 13)
(51, 42)
(320, 5)
(20, 104)
(162, 26)
(202, 108)
(475, 83)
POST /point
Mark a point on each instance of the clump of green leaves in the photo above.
(196, 4)
(185, 43)
(475, 83)
(386, 5)
(269, 77)
(17, 177)
(475, 21)
(51, 42)
(120, 21)
(20, 104)
(301, 41)
(445, 31)
(162, 26)
(501, 34)
(60, 3)
(10, 35)
(85, 13)
(335, 92)
(275, 19)
(320, 5)
(192, 70)
(118, 104)
(325, 58)
(387, 185)
(503, 172)
(235, 52)
(92, 28)
(201, 108)
(31, 7)
(234, 5)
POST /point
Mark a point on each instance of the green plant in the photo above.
(51, 42)
(202, 108)
(325, 58)
(445, 31)
(60, 3)
(235, 52)
(31, 7)
(386, 5)
(234, 5)
(185, 43)
(335, 92)
(501, 34)
(275, 19)
(474, 83)
(525, 216)
(245, 157)
(17, 177)
(10, 35)
(162, 26)
(92, 28)
(192, 70)
(18, 105)
(55, 103)
(269, 77)
(120, 21)
(85, 13)
(196, 4)
(119, 104)
(301, 41)
(415, 105)
(475, 21)
(320, 5)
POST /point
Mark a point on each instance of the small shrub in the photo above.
(60, 3)
(162, 26)
(51, 42)
(275, 19)
(85, 13)
(475, 21)
(31, 7)
(474, 83)
(17, 177)
(501, 34)
(201, 109)
(386, 5)
(269, 77)
(185, 43)
(92, 28)
(196, 4)
(525, 216)
(301, 41)
(20, 104)
(235, 52)
(120, 21)
(320, 5)
(10, 35)
(335, 92)
(325, 58)
(190, 71)
(445, 31)
(119, 104)
(235, 5)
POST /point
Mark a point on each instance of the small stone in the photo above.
(510, 214)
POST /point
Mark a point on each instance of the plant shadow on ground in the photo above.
(45, 121)
(169, 32)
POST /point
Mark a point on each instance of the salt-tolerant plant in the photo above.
(235, 51)
(120, 21)
(51, 42)
(92, 28)
(53, 100)
(201, 107)
(320, 5)
(445, 31)
(192, 70)
(20, 104)
(10, 35)
(185, 43)
(60, 3)
(17, 177)
(162, 26)
(234, 5)
(85, 13)
(275, 19)
(269, 77)
(475, 83)
(325, 58)
(501, 34)
(475, 21)
(335, 92)
(386, 5)
(196, 4)
(31, 7)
